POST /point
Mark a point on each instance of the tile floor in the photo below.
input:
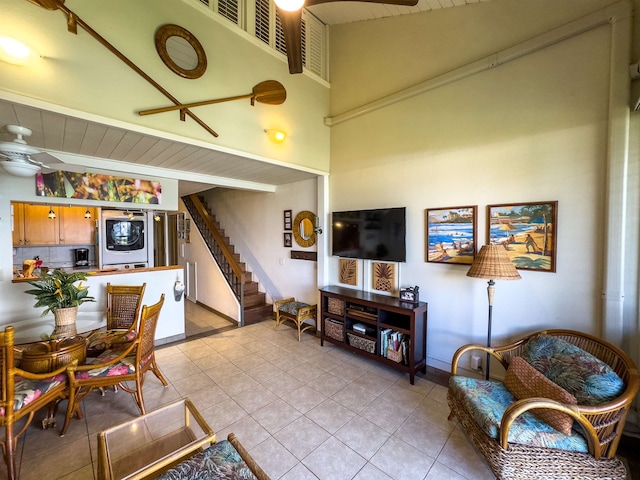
(302, 411)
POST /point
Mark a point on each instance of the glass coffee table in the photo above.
(141, 447)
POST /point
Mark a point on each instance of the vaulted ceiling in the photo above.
(199, 167)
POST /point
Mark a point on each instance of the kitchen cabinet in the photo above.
(74, 228)
(32, 225)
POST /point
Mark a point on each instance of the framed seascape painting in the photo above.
(450, 235)
(528, 232)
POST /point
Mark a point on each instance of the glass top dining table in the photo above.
(44, 328)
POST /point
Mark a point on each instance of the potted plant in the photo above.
(59, 293)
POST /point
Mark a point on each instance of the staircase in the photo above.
(254, 307)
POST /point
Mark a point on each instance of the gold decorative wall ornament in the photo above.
(180, 51)
(72, 26)
(303, 231)
(269, 92)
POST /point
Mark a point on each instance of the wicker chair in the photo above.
(123, 311)
(602, 425)
(21, 395)
(296, 312)
(128, 363)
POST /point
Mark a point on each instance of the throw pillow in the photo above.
(588, 378)
(524, 381)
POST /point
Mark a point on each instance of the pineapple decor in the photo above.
(383, 276)
(348, 271)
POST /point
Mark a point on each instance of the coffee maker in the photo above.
(82, 257)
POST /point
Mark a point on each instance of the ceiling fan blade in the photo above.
(292, 28)
(292, 31)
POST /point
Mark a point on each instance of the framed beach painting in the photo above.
(450, 235)
(528, 232)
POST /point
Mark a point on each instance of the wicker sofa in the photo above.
(507, 428)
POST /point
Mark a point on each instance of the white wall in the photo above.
(79, 73)
(534, 129)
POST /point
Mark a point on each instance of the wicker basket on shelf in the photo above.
(362, 343)
(335, 306)
(333, 329)
(394, 355)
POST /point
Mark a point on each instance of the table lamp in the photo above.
(492, 262)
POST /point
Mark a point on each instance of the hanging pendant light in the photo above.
(87, 214)
(52, 214)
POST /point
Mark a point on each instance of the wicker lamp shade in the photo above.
(493, 262)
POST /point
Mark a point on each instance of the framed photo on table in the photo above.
(450, 235)
(528, 231)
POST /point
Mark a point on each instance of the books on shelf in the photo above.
(392, 340)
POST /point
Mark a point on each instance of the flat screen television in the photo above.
(370, 234)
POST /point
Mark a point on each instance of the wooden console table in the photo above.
(375, 318)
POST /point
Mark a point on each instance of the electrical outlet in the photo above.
(476, 362)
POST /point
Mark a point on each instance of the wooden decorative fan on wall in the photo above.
(291, 17)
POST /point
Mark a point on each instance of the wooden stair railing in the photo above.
(224, 257)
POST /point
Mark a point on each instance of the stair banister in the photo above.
(228, 255)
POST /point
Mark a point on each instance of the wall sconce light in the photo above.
(87, 214)
(15, 52)
(52, 214)
(275, 136)
(316, 225)
(156, 218)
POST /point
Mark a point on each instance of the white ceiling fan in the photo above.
(16, 155)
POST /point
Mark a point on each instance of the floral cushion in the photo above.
(524, 381)
(486, 401)
(292, 307)
(219, 461)
(586, 377)
(125, 366)
(27, 390)
(105, 339)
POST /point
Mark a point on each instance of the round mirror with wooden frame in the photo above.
(180, 51)
(303, 231)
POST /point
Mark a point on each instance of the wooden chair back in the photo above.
(123, 305)
(148, 325)
(7, 381)
(81, 383)
(10, 412)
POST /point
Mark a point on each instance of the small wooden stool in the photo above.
(297, 312)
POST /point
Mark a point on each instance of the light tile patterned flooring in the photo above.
(302, 411)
